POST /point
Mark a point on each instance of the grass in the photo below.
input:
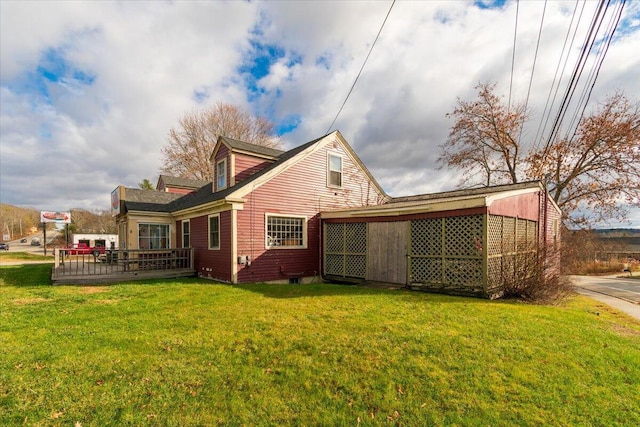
(192, 352)
(23, 256)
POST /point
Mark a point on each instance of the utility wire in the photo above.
(513, 56)
(556, 81)
(574, 79)
(361, 68)
(601, 60)
(533, 68)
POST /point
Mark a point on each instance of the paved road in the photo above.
(620, 293)
(16, 246)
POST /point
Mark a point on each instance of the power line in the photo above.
(595, 72)
(556, 81)
(533, 67)
(513, 56)
(577, 72)
(361, 68)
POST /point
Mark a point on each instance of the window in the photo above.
(221, 174)
(286, 232)
(186, 241)
(214, 232)
(153, 236)
(335, 170)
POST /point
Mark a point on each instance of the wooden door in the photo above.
(387, 252)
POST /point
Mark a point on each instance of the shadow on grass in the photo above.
(341, 289)
(29, 275)
(26, 275)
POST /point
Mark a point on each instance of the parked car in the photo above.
(35, 241)
(4, 246)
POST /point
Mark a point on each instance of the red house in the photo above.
(316, 212)
(259, 221)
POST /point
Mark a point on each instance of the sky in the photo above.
(90, 89)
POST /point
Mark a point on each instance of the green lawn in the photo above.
(192, 352)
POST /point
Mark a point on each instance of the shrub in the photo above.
(535, 277)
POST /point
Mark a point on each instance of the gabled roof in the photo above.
(206, 195)
(243, 147)
(179, 182)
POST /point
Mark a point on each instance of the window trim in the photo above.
(213, 248)
(218, 176)
(268, 242)
(160, 224)
(188, 234)
(329, 170)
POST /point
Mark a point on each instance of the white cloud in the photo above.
(151, 62)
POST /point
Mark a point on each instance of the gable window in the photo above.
(186, 240)
(335, 170)
(221, 174)
(286, 231)
(214, 232)
(153, 236)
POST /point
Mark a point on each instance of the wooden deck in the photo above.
(122, 266)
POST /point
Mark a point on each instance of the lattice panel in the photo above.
(521, 231)
(345, 249)
(355, 238)
(426, 270)
(532, 233)
(466, 272)
(334, 264)
(494, 272)
(495, 235)
(334, 238)
(463, 235)
(355, 266)
(508, 267)
(426, 236)
(508, 234)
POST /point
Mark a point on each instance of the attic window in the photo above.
(334, 170)
(221, 174)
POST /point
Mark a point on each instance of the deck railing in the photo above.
(121, 262)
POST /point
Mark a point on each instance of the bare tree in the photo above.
(598, 170)
(591, 176)
(483, 142)
(189, 147)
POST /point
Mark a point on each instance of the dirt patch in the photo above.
(94, 289)
(625, 331)
(27, 301)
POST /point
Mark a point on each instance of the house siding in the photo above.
(245, 166)
(299, 191)
(521, 206)
(212, 263)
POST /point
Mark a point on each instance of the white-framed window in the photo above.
(285, 231)
(153, 236)
(221, 174)
(334, 170)
(186, 233)
(214, 231)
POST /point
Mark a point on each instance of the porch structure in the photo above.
(122, 265)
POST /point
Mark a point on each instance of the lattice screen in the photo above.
(346, 249)
(509, 240)
(447, 252)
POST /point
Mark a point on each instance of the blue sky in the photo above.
(89, 90)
